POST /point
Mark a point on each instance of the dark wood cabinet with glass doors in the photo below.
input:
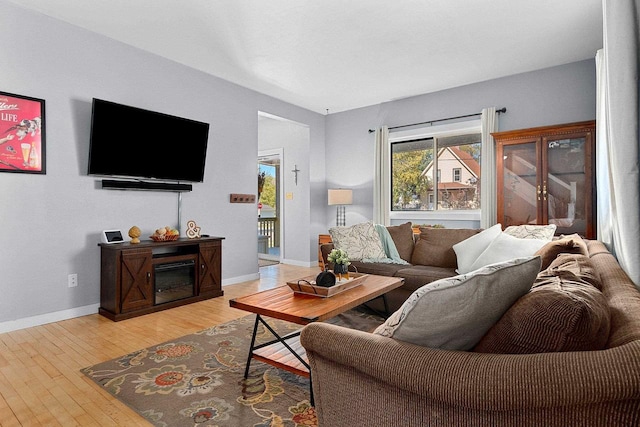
(545, 175)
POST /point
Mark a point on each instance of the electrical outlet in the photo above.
(73, 280)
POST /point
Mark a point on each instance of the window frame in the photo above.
(439, 131)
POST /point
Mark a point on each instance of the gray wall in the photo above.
(293, 139)
(51, 222)
(556, 95)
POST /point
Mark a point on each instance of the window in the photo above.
(436, 173)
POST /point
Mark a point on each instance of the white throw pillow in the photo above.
(358, 241)
(525, 231)
(470, 249)
(456, 312)
(505, 247)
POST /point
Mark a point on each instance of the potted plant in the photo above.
(340, 260)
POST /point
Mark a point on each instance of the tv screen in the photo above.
(133, 142)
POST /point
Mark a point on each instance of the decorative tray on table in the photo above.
(307, 285)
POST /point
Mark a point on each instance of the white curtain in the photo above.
(617, 141)
(488, 197)
(382, 178)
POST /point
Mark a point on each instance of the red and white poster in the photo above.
(22, 136)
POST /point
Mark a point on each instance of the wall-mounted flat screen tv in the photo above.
(132, 142)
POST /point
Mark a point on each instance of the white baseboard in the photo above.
(43, 319)
(300, 263)
(57, 316)
(240, 279)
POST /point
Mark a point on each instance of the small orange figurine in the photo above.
(135, 233)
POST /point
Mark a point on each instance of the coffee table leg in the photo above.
(253, 341)
(280, 339)
(386, 304)
(386, 313)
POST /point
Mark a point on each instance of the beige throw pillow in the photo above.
(359, 241)
(456, 312)
(526, 231)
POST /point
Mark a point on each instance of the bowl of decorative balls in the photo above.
(165, 234)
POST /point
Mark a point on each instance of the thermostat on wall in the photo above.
(111, 236)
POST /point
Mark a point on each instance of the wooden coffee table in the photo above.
(282, 303)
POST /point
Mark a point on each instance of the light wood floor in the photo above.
(40, 379)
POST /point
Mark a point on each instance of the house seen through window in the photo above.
(436, 173)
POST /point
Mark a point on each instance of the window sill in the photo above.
(431, 216)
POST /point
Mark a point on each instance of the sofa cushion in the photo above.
(417, 276)
(527, 231)
(470, 249)
(564, 245)
(454, 313)
(379, 268)
(580, 266)
(505, 247)
(402, 236)
(557, 315)
(359, 241)
(435, 246)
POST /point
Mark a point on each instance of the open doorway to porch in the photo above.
(269, 206)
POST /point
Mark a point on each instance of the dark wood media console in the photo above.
(137, 279)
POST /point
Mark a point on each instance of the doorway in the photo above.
(270, 218)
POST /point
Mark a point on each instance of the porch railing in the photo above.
(270, 227)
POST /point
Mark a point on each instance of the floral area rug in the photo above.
(198, 379)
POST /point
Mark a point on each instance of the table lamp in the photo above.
(340, 197)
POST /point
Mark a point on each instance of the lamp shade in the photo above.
(340, 196)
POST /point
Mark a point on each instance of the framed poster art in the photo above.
(22, 134)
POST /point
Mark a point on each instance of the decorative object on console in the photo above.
(165, 234)
(135, 233)
(340, 197)
(111, 236)
(22, 134)
(193, 231)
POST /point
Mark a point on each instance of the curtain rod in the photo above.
(501, 110)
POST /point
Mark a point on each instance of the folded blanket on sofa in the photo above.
(390, 250)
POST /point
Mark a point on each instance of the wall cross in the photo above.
(295, 170)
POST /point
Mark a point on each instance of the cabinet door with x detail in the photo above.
(136, 281)
(210, 259)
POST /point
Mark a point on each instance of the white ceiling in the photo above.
(344, 54)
